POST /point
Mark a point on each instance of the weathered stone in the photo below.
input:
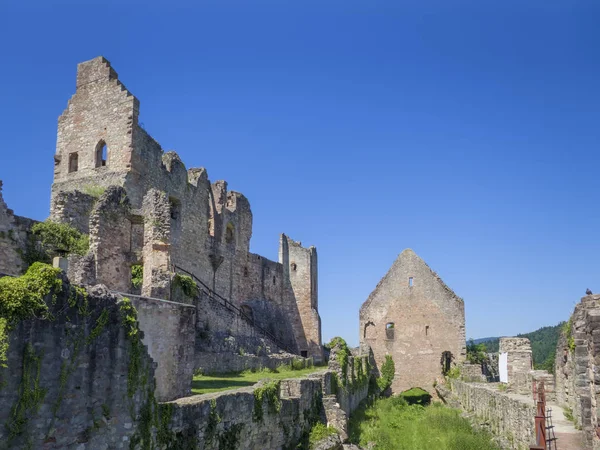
(414, 317)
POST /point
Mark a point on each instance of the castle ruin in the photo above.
(414, 317)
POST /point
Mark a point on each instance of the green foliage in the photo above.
(343, 353)
(61, 237)
(416, 396)
(187, 285)
(543, 344)
(213, 420)
(453, 373)
(388, 370)
(203, 384)
(392, 424)
(31, 395)
(137, 275)
(320, 431)
(476, 353)
(567, 329)
(568, 412)
(502, 387)
(93, 190)
(269, 392)
(129, 320)
(22, 298)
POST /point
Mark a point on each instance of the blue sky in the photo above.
(467, 131)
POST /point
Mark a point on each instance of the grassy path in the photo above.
(205, 384)
(393, 425)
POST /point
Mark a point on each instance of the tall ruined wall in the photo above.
(70, 380)
(14, 232)
(300, 268)
(577, 356)
(507, 416)
(209, 226)
(414, 317)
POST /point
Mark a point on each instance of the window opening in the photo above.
(410, 281)
(73, 162)
(389, 330)
(101, 154)
(293, 266)
(426, 330)
(175, 208)
(304, 353)
(229, 233)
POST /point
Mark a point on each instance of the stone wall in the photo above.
(507, 415)
(14, 234)
(520, 363)
(576, 367)
(209, 227)
(169, 334)
(235, 420)
(414, 317)
(69, 381)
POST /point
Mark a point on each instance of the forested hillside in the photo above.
(543, 345)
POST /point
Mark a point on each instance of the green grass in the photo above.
(392, 424)
(320, 431)
(205, 384)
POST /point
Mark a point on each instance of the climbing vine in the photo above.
(269, 392)
(31, 395)
(388, 370)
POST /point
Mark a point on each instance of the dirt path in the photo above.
(567, 437)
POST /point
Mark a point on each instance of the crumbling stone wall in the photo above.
(209, 227)
(169, 334)
(506, 415)
(576, 367)
(69, 382)
(14, 234)
(414, 317)
(519, 362)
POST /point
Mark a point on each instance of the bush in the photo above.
(187, 284)
(137, 275)
(318, 432)
(60, 237)
(416, 396)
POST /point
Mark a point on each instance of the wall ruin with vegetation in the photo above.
(507, 416)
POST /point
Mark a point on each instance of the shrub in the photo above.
(388, 370)
(57, 237)
(416, 396)
(319, 432)
(137, 275)
(187, 284)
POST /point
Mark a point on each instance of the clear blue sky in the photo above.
(469, 133)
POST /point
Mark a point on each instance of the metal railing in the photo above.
(212, 295)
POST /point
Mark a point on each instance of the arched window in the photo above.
(230, 233)
(369, 331)
(389, 330)
(293, 266)
(73, 162)
(101, 154)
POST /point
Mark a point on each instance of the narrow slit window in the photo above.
(426, 330)
(410, 281)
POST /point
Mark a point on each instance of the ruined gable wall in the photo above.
(428, 320)
(101, 110)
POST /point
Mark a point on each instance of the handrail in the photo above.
(229, 305)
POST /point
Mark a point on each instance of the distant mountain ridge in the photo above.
(543, 345)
